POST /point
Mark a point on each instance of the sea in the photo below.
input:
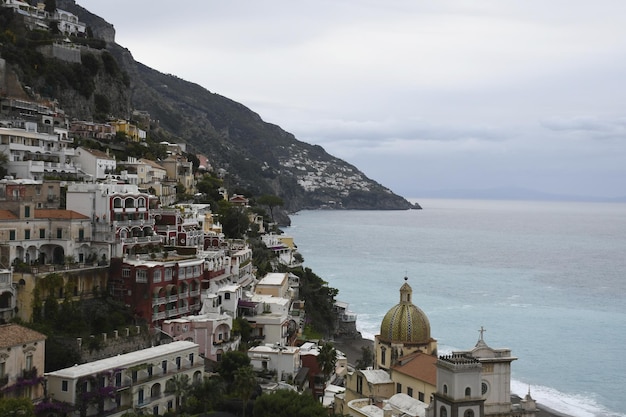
(545, 279)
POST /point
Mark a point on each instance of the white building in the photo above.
(282, 360)
(142, 380)
(120, 212)
(96, 163)
(37, 149)
(212, 332)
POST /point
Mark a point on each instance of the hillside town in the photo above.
(84, 221)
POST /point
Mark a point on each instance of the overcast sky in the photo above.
(419, 95)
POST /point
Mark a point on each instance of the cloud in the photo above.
(450, 94)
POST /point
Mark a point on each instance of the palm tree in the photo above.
(244, 384)
(327, 359)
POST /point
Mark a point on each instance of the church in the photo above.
(410, 379)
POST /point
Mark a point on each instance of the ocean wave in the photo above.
(576, 405)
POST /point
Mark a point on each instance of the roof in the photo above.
(419, 366)
(13, 335)
(376, 376)
(98, 154)
(151, 163)
(59, 214)
(122, 361)
(7, 215)
(273, 278)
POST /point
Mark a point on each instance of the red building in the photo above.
(158, 288)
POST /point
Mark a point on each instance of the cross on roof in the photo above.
(481, 331)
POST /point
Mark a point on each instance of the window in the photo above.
(409, 392)
(468, 413)
(445, 389)
(227, 296)
(59, 233)
(126, 272)
(26, 211)
(156, 275)
(42, 233)
(11, 234)
(140, 396)
(383, 356)
(141, 276)
(26, 234)
(64, 386)
(164, 366)
(191, 359)
(420, 396)
(81, 234)
(443, 412)
(150, 370)
(134, 376)
(468, 392)
(484, 388)
(118, 379)
(177, 362)
(359, 384)
(29, 362)
(168, 274)
(398, 388)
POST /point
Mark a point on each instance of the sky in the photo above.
(421, 96)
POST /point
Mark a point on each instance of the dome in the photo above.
(405, 322)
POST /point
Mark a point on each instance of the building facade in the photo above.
(22, 355)
(143, 381)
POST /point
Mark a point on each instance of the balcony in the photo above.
(145, 239)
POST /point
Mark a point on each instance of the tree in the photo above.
(244, 385)
(22, 407)
(367, 358)
(179, 385)
(204, 396)
(231, 361)
(271, 201)
(284, 403)
(4, 159)
(327, 359)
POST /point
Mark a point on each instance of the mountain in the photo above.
(259, 157)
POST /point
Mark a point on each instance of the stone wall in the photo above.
(62, 52)
(107, 345)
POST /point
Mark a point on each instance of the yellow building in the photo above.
(21, 362)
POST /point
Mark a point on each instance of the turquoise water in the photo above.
(547, 280)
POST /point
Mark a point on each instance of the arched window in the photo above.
(468, 392)
(468, 413)
(443, 412)
(383, 355)
(117, 202)
(445, 389)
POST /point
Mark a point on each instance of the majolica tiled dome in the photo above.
(405, 322)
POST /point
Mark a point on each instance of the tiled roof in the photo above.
(13, 335)
(151, 163)
(7, 215)
(59, 214)
(98, 154)
(418, 365)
